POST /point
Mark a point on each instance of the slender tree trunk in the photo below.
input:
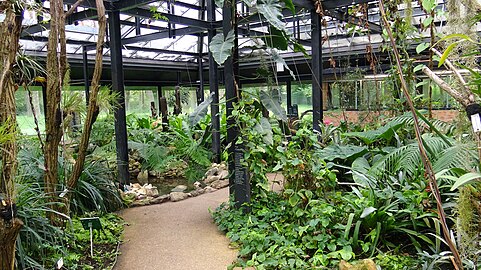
(93, 109)
(9, 43)
(53, 119)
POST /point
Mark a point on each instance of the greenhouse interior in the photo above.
(220, 134)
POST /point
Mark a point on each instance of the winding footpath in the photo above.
(175, 236)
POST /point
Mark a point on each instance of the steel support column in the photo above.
(316, 39)
(159, 95)
(118, 86)
(86, 74)
(239, 177)
(214, 87)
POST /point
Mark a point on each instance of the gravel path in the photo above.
(179, 235)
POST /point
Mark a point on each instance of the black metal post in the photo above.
(137, 26)
(214, 87)
(118, 86)
(316, 39)
(159, 96)
(289, 93)
(238, 181)
(86, 74)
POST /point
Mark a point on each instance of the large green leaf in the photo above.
(200, 111)
(368, 137)
(265, 129)
(276, 39)
(221, 48)
(333, 152)
(271, 101)
(272, 11)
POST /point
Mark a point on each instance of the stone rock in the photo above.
(197, 184)
(178, 196)
(223, 167)
(223, 174)
(179, 188)
(151, 190)
(197, 192)
(135, 186)
(142, 202)
(366, 264)
(212, 171)
(209, 189)
(211, 178)
(160, 199)
(143, 177)
(218, 184)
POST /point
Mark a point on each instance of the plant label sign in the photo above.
(476, 122)
(241, 179)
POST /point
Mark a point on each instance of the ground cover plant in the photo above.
(350, 195)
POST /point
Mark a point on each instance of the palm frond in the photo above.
(463, 156)
(407, 158)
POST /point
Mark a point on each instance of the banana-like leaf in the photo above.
(368, 137)
(272, 102)
(222, 48)
(200, 111)
(342, 152)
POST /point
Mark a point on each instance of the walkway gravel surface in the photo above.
(175, 236)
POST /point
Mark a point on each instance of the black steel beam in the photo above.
(143, 25)
(331, 4)
(374, 27)
(316, 54)
(129, 4)
(214, 88)
(161, 35)
(171, 18)
(118, 87)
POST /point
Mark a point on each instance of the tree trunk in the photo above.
(53, 119)
(9, 44)
(8, 235)
(93, 109)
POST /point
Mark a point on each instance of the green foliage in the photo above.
(200, 111)
(386, 132)
(220, 47)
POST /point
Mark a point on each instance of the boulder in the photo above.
(212, 171)
(142, 202)
(160, 199)
(209, 189)
(197, 184)
(224, 174)
(143, 177)
(179, 188)
(178, 196)
(197, 192)
(135, 186)
(151, 191)
(211, 178)
(218, 184)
